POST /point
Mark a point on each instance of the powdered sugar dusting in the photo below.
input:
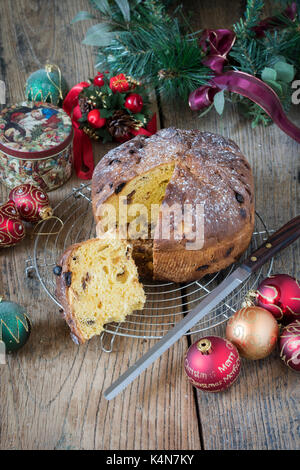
(209, 170)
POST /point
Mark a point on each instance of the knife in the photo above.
(275, 243)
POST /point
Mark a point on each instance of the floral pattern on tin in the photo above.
(34, 127)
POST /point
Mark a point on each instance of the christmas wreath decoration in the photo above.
(253, 65)
(115, 108)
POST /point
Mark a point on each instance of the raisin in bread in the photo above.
(97, 283)
(179, 167)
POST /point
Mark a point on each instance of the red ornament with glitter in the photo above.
(280, 294)
(12, 229)
(119, 84)
(134, 102)
(289, 345)
(31, 202)
(212, 364)
(95, 120)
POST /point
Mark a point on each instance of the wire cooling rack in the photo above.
(166, 302)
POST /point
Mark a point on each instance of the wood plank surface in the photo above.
(52, 390)
(261, 411)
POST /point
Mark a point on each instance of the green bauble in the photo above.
(47, 85)
(14, 325)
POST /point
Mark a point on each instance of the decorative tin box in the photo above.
(35, 145)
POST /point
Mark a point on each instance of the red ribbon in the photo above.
(82, 146)
(220, 42)
(151, 128)
(256, 90)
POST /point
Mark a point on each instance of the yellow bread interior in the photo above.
(104, 286)
(149, 190)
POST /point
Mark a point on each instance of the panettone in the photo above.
(97, 283)
(187, 168)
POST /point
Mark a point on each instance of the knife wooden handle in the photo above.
(277, 242)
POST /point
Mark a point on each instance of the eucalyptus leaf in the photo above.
(268, 74)
(103, 6)
(275, 86)
(280, 58)
(219, 102)
(285, 72)
(285, 88)
(99, 35)
(125, 9)
(83, 15)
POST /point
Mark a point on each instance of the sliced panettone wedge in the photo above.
(97, 283)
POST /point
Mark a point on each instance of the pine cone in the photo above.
(85, 106)
(119, 124)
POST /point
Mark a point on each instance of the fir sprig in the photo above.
(140, 38)
(244, 27)
(147, 44)
(254, 55)
(247, 52)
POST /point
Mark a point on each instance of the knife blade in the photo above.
(277, 242)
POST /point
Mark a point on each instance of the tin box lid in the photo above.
(33, 130)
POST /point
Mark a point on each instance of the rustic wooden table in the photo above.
(52, 390)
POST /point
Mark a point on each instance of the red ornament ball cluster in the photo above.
(27, 203)
(212, 364)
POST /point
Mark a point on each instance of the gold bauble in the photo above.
(254, 331)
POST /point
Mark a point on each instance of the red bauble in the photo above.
(98, 80)
(31, 202)
(212, 364)
(119, 83)
(289, 345)
(280, 294)
(95, 120)
(12, 229)
(134, 103)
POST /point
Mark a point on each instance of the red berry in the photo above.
(95, 120)
(98, 80)
(134, 103)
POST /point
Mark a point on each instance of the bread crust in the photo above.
(209, 170)
(62, 295)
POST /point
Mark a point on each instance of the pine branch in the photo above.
(244, 28)
(152, 46)
(139, 38)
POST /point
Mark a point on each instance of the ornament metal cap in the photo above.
(46, 213)
(250, 297)
(204, 346)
